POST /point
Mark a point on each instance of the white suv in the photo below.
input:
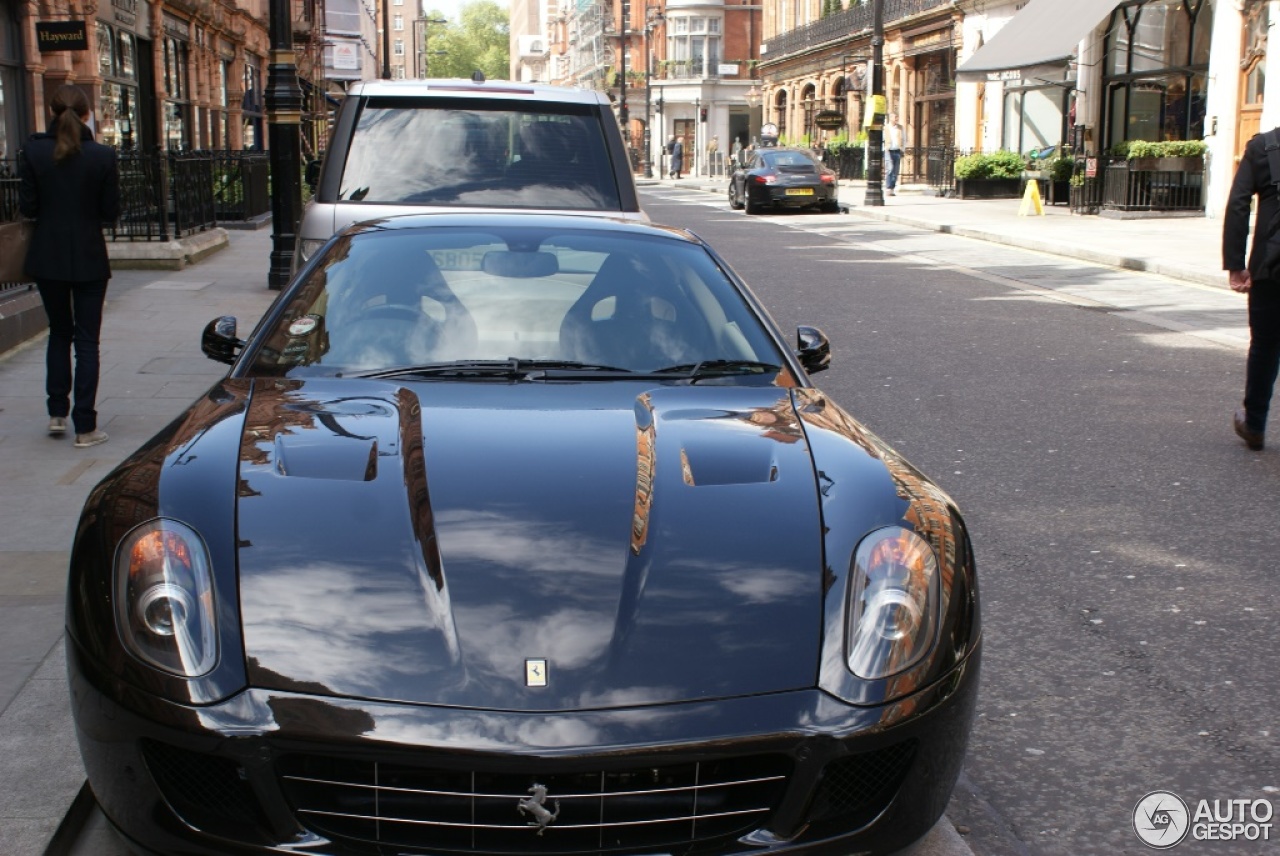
(406, 146)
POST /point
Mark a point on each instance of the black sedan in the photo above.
(782, 178)
(520, 534)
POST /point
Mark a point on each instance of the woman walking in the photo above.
(70, 186)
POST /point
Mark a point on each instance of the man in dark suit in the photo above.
(70, 186)
(1259, 280)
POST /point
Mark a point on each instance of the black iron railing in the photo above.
(241, 185)
(1128, 189)
(166, 195)
(931, 165)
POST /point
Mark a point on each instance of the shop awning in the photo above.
(1041, 33)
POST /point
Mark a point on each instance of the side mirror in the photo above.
(219, 341)
(312, 175)
(813, 348)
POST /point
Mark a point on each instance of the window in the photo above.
(694, 46)
(1156, 70)
(116, 114)
(398, 48)
(398, 22)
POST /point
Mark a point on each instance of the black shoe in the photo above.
(1252, 439)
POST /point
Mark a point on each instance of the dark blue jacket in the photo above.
(70, 202)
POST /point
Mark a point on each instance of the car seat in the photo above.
(630, 317)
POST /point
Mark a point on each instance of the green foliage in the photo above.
(839, 143)
(1060, 168)
(1001, 164)
(1077, 180)
(1165, 149)
(478, 40)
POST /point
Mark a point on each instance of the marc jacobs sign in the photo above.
(61, 36)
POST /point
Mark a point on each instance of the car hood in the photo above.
(464, 543)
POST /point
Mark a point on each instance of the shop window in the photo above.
(1157, 63)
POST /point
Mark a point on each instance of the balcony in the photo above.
(843, 26)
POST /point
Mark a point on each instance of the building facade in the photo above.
(675, 68)
(174, 75)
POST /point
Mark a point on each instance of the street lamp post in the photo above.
(875, 133)
(624, 117)
(754, 98)
(653, 16)
(386, 39)
(423, 39)
(284, 125)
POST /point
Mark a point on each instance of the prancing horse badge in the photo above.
(535, 673)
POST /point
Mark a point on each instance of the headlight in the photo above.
(307, 247)
(164, 598)
(893, 614)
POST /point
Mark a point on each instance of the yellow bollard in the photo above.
(1031, 203)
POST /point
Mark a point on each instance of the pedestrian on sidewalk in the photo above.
(893, 148)
(70, 185)
(677, 157)
(1259, 279)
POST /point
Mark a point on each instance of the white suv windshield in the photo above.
(480, 153)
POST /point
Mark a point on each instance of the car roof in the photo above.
(504, 220)
(462, 88)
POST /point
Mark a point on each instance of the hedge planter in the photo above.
(988, 188)
(1191, 165)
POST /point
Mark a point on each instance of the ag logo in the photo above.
(1161, 819)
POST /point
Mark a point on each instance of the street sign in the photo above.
(61, 36)
(829, 120)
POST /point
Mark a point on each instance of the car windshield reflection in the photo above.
(516, 303)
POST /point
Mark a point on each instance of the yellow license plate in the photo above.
(799, 191)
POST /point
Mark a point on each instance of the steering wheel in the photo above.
(393, 312)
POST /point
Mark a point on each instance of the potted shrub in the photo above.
(1166, 156)
(1156, 176)
(989, 175)
(1060, 170)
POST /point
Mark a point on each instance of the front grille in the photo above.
(856, 788)
(208, 792)
(674, 807)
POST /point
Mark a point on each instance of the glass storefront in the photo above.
(177, 84)
(1033, 117)
(252, 104)
(1156, 76)
(117, 113)
(12, 133)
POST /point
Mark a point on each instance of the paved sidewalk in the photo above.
(1185, 248)
(153, 368)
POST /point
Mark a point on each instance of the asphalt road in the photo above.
(1127, 541)
(1125, 538)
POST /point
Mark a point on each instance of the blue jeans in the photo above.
(895, 161)
(75, 319)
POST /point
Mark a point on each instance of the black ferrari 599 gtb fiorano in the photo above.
(520, 534)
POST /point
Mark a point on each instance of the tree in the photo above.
(480, 39)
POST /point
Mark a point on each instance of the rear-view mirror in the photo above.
(517, 265)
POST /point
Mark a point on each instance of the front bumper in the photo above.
(796, 772)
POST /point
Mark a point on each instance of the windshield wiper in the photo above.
(512, 368)
(720, 368)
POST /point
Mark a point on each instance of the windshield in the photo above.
(483, 153)
(579, 297)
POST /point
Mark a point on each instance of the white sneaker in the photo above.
(57, 425)
(93, 438)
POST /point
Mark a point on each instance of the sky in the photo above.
(450, 8)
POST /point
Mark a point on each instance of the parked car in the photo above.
(782, 178)
(405, 146)
(512, 533)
